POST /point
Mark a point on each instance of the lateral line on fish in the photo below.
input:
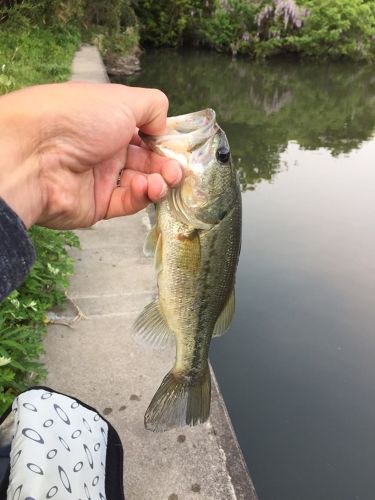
(111, 315)
(149, 293)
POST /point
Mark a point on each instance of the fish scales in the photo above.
(195, 300)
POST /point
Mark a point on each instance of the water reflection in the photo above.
(263, 107)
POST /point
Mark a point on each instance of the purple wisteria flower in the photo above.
(291, 14)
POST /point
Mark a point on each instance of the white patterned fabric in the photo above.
(58, 450)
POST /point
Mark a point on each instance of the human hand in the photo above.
(63, 146)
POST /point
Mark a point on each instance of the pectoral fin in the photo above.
(158, 259)
(151, 329)
(149, 246)
(189, 251)
(226, 315)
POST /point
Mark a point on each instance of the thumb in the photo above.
(149, 108)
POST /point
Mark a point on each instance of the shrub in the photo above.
(231, 28)
(115, 16)
(165, 23)
(338, 28)
(23, 313)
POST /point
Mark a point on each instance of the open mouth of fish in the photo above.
(183, 135)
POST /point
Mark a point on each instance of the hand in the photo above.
(63, 146)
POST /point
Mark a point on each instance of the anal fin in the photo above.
(226, 315)
(151, 329)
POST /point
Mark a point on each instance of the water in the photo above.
(297, 368)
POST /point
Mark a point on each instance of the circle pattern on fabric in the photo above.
(46, 395)
(40, 469)
(64, 443)
(89, 456)
(87, 492)
(64, 479)
(104, 434)
(78, 466)
(61, 413)
(29, 406)
(86, 424)
(52, 453)
(17, 493)
(35, 468)
(33, 435)
(76, 434)
(16, 457)
(52, 492)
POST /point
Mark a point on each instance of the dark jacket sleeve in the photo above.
(16, 251)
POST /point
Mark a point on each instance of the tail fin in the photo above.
(177, 403)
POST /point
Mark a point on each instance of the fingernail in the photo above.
(179, 173)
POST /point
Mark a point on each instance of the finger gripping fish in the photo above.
(196, 244)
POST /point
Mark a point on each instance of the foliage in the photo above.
(319, 28)
(262, 28)
(338, 28)
(111, 26)
(165, 23)
(124, 42)
(23, 312)
(115, 16)
(33, 54)
(231, 28)
(51, 13)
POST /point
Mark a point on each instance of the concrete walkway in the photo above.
(99, 362)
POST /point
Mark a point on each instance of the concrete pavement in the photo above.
(99, 363)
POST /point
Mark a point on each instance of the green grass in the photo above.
(29, 56)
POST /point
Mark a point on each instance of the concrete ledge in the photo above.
(99, 362)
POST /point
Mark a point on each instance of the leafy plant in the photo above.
(232, 27)
(338, 28)
(23, 313)
(166, 23)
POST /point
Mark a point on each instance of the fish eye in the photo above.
(223, 154)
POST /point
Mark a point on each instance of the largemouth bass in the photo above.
(196, 243)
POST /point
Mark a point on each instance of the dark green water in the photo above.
(297, 368)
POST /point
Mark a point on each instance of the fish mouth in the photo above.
(183, 134)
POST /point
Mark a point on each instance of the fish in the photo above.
(196, 245)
